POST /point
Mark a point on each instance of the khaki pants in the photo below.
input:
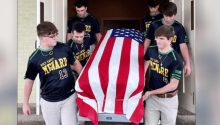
(164, 108)
(60, 113)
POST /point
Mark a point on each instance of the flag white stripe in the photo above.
(93, 74)
(133, 76)
(77, 87)
(89, 101)
(113, 75)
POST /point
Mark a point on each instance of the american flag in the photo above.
(113, 79)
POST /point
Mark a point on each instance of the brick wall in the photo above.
(26, 39)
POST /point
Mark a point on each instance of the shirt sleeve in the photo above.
(147, 55)
(86, 42)
(176, 71)
(69, 26)
(96, 26)
(31, 71)
(150, 32)
(69, 43)
(71, 56)
(182, 35)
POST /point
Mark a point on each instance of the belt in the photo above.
(167, 95)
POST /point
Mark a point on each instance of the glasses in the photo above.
(52, 35)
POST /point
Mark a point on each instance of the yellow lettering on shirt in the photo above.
(147, 24)
(174, 39)
(51, 65)
(155, 66)
(82, 55)
(88, 28)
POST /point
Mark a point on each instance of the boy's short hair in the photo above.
(170, 9)
(46, 28)
(165, 30)
(80, 3)
(78, 27)
(153, 3)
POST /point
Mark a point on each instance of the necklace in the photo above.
(47, 54)
(161, 61)
(78, 47)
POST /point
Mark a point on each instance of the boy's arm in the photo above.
(98, 36)
(146, 44)
(169, 87)
(76, 66)
(27, 92)
(146, 65)
(185, 55)
(149, 36)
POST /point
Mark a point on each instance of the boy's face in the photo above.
(154, 10)
(78, 37)
(81, 12)
(168, 19)
(50, 40)
(163, 42)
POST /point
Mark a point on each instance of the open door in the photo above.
(185, 15)
(54, 11)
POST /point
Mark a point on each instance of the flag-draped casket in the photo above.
(113, 79)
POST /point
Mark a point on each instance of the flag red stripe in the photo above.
(123, 73)
(86, 110)
(138, 113)
(104, 67)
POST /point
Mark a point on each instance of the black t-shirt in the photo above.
(53, 66)
(147, 20)
(91, 25)
(81, 51)
(163, 67)
(179, 37)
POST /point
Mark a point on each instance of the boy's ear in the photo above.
(170, 39)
